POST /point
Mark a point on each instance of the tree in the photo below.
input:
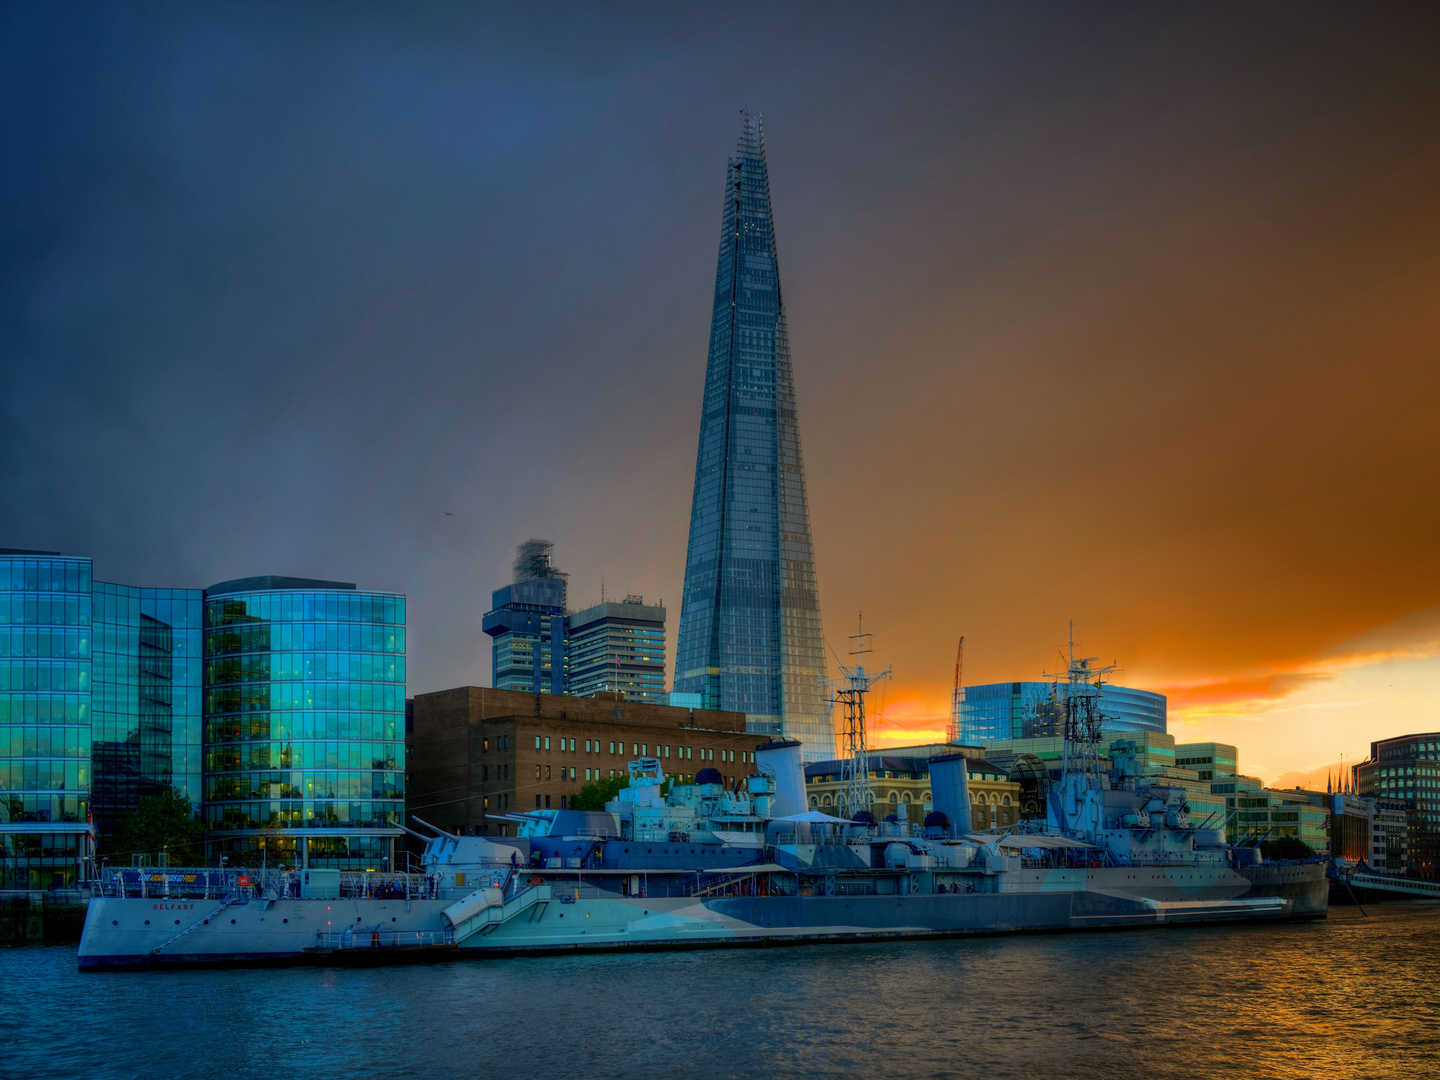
(1286, 847)
(596, 793)
(159, 823)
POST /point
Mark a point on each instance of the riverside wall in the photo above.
(53, 917)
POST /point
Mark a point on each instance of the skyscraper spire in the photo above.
(750, 637)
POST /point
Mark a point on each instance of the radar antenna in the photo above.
(855, 765)
(1085, 679)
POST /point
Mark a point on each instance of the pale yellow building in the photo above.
(900, 785)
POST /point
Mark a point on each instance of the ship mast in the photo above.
(1083, 719)
(855, 765)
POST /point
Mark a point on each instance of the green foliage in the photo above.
(1287, 847)
(159, 823)
(596, 793)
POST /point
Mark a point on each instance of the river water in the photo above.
(1347, 997)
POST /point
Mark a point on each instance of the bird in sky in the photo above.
(449, 514)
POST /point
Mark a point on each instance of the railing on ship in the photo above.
(149, 882)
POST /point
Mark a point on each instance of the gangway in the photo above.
(479, 912)
(1405, 886)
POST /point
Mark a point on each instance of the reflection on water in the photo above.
(1346, 997)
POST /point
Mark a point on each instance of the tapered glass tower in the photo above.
(750, 637)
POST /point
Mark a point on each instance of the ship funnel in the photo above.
(950, 788)
(781, 759)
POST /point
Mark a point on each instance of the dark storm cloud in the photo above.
(280, 285)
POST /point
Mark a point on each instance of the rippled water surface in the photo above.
(1347, 997)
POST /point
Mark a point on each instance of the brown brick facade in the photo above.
(476, 751)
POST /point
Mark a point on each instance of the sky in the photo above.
(1124, 315)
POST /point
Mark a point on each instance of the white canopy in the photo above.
(815, 817)
(1019, 840)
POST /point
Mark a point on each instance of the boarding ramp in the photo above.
(1399, 885)
(485, 909)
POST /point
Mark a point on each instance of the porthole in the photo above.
(232, 922)
(357, 918)
(147, 922)
(392, 918)
(177, 922)
(114, 922)
(284, 920)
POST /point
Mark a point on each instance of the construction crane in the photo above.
(954, 733)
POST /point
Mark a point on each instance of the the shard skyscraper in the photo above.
(750, 637)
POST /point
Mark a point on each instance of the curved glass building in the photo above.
(45, 668)
(1028, 710)
(304, 722)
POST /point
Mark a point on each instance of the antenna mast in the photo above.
(957, 695)
(855, 766)
(1083, 717)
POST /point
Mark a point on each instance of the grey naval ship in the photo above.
(706, 865)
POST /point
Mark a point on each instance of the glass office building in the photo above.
(304, 722)
(750, 637)
(1027, 710)
(145, 713)
(1406, 770)
(45, 678)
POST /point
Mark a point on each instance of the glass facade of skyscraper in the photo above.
(1019, 711)
(304, 722)
(45, 682)
(145, 714)
(750, 635)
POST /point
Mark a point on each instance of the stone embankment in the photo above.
(52, 917)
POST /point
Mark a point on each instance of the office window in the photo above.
(587, 746)
(547, 742)
(537, 774)
(572, 746)
(612, 746)
(667, 751)
(537, 743)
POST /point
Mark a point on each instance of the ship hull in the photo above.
(133, 932)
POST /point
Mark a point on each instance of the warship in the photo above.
(688, 865)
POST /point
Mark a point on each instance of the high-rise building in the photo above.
(619, 647)
(527, 624)
(1406, 770)
(304, 721)
(1026, 710)
(750, 637)
(539, 647)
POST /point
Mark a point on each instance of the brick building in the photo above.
(476, 751)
